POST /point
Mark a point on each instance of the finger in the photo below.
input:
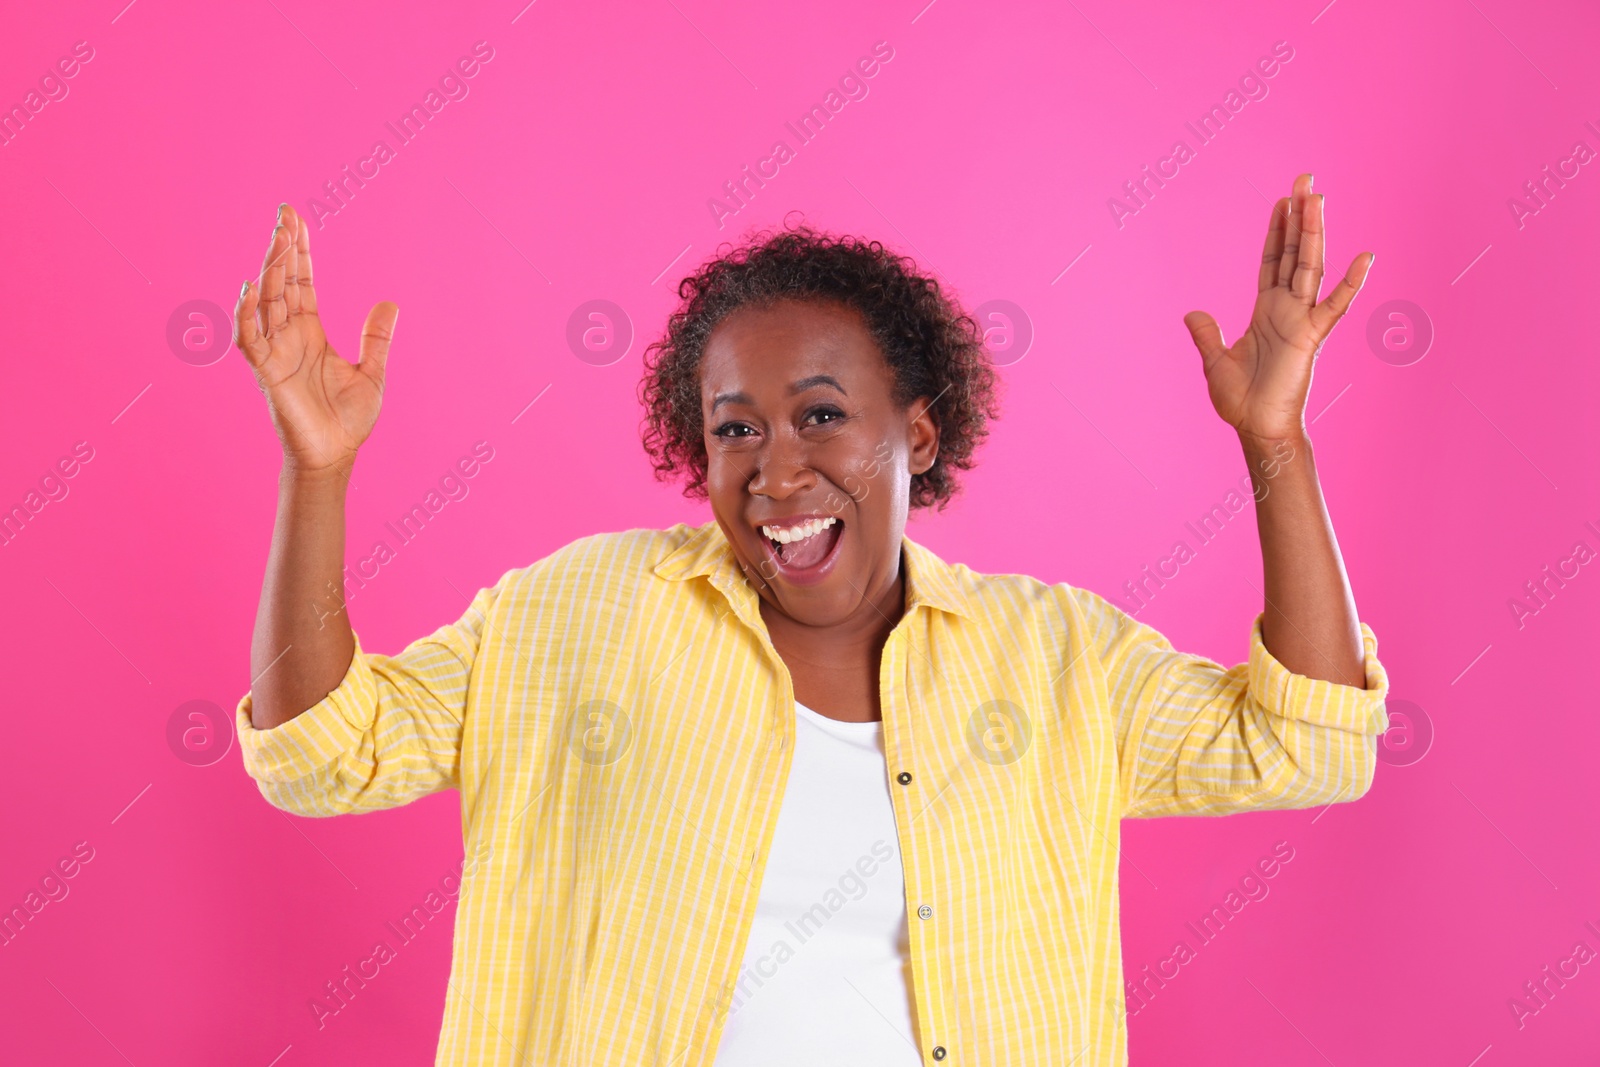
(302, 246)
(267, 260)
(274, 313)
(246, 334)
(375, 338)
(1330, 311)
(291, 262)
(1207, 337)
(1291, 238)
(1272, 251)
(1308, 272)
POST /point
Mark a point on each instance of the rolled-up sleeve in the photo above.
(389, 733)
(1195, 738)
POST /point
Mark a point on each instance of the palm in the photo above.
(322, 406)
(320, 403)
(1259, 385)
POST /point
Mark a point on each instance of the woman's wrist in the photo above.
(1269, 458)
(330, 481)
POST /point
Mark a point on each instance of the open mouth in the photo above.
(809, 551)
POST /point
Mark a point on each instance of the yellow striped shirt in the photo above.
(619, 725)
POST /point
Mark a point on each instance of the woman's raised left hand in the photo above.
(1259, 384)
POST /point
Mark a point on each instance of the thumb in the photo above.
(375, 337)
(1207, 336)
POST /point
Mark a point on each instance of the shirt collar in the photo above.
(929, 580)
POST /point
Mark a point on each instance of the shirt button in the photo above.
(925, 912)
(939, 1052)
(904, 778)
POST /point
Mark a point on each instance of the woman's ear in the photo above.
(923, 434)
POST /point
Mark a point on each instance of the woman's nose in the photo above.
(782, 469)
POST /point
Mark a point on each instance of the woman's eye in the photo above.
(834, 412)
(725, 430)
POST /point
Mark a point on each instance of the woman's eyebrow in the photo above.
(797, 387)
(815, 380)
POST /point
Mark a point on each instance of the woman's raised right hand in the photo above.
(323, 406)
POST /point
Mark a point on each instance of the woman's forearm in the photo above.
(1311, 625)
(303, 642)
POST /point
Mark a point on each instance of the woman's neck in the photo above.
(835, 668)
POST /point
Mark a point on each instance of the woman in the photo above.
(786, 785)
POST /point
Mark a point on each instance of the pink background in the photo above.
(578, 168)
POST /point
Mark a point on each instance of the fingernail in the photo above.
(244, 290)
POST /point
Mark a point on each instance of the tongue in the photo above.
(812, 551)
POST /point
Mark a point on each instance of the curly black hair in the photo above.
(932, 346)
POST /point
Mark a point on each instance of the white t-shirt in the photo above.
(826, 976)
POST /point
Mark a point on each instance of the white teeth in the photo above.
(789, 535)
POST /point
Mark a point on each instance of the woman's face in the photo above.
(801, 427)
